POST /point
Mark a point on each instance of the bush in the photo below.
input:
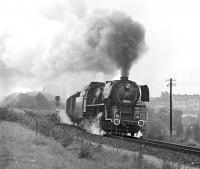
(9, 115)
(45, 124)
(84, 150)
(124, 158)
(39, 140)
(155, 131)
(191, 142)
(57, 149)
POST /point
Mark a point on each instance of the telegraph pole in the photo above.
(170, 98)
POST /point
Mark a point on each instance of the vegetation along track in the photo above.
(161, 144)
(154, 143)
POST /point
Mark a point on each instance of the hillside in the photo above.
(21, 148)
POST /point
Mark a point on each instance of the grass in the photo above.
(39, 140)
(43, 123)
(116, 159)
(65, 152)
(84, 150)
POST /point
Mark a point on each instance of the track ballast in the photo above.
(161, 144)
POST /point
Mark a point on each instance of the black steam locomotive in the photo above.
(120, 103)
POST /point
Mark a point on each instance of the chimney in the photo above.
(124, 78)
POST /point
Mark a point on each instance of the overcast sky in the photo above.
(36, 38)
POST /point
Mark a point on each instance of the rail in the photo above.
(162, 144)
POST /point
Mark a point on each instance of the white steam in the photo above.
(93, 126)
(138, 135)
(64, 118)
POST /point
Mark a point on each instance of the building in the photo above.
(189, 104)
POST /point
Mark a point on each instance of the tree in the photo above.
(196, 129)
(156, 128)
(177, 121)
(41, 101)
(165, 94)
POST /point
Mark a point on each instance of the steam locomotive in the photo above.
(120, 103)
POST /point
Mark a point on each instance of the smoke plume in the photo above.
(60, 40)
(101, 42)
(115, 39)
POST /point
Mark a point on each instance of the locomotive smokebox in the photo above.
(124, 78)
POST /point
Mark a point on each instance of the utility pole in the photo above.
(170, 99)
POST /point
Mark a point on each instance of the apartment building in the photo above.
(189, 104)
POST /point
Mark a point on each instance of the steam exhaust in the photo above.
(93, 126)
(64, 118)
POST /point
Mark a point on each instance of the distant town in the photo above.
(188, 104)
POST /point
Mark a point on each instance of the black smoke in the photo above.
(116, 41)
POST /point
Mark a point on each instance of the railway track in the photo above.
(162, 144)
(155, 143)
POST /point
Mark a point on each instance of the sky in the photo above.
(43, 42)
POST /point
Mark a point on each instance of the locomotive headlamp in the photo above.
(116, 121)
(141, 123)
